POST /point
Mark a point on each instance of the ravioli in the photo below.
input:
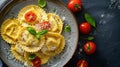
(39, 12)
(29, 42)
(56, 22)
(54, 45)
(17, 52)
(28, 62)
(23, 43)
(10, 31)
(44, 58)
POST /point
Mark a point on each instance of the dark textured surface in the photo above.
(107, 16)
(107, 38)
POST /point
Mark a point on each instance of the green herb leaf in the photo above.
(42, 3)
(43, 32)
(38, 36)
(32, 56)
(90, 19)
(31, 30)
(89, 38)
(54, 10)
(67, 28)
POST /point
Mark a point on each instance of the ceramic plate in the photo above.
(60, 60)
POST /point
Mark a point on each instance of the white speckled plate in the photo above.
(71, 38)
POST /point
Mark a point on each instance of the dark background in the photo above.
(107, 38)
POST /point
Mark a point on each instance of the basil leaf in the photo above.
(67, 28)
(89, 38)
(31, 30)
(54, 10)
(42, 3)
(43, 32)
(32, 56)
(38, 36)
(90, 19)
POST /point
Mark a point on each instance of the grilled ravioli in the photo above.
(10, 30)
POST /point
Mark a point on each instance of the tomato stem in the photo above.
(77, 6)
(88, 48)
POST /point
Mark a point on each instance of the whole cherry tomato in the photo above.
(75, 5)
(82, 63)
(85, 27)
(36, 62)
(89, 47)
(30, 16)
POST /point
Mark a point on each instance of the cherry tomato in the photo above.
(85, 27)
(30, 16)
(82, 63)
(43, 25)
(89, 48)
(75, 5)
(36, 62)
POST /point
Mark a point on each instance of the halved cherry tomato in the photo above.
(75, 5)
(30, 16)
(89, 48)
(43, 25)
(85, 27)
(82, 63)
(36, 62)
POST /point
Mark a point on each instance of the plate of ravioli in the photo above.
(32, 36)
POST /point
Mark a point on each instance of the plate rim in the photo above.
(77, 29)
